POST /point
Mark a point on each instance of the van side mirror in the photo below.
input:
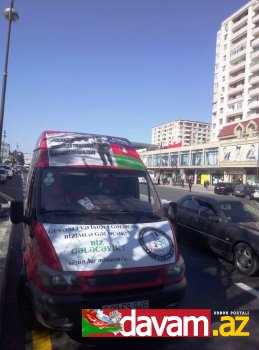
(16, 213)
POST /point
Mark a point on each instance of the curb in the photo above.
(5, 232)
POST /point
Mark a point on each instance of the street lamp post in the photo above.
(11, 15)
(3, 145)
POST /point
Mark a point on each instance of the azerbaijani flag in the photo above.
(127, 157)
(92, 325)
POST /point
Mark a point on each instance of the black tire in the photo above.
(245, 260)
(247, 196)
(230, 194)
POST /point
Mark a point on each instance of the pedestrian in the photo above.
(190, 184)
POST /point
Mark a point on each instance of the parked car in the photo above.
(256, 194)
(225, 188)
(244, 191)
(227, 225)
(8, 170)
(2, 176)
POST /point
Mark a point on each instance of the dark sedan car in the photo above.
(244, 191)
(228, 225)
(225, 188)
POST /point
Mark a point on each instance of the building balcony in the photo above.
(214, 109)
(235, 67)
(256, 7)
(254, 92)
(237, 55)
(254, 79)
(252, 115)
(238, 33)
(255, 42)
(235, 90)
(255, 18)
(235, 100)
(242, 39)
(237, 78)
(234, 118)
(254, 67)
(234, 112)
(254, 54)
(255, 31)
(253, 105)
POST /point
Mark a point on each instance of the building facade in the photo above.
(186, 132)
(234, 158)
(236, 77)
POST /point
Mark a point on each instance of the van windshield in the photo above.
(99, 193)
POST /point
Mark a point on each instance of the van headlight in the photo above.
(57, 280)
(176, 270)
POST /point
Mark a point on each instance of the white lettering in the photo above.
(147, 325)
(195, 321)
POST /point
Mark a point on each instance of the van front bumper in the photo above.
(64, 312)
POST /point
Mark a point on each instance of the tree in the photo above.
(18, 157)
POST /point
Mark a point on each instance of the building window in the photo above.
(211, 156)
(196, 158)
(239, 132)
(184, 158)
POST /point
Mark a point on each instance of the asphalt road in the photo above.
(212, 283)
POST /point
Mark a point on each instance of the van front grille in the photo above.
(122, 279)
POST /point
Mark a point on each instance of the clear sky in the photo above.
(116, 67)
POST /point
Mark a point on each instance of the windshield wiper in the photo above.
(91, 214)
(149, 214)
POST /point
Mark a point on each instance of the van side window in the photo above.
(30, 202)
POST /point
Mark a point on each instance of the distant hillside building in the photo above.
(236, 77)
(182, 132)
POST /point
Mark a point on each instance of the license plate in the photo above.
(143, 304)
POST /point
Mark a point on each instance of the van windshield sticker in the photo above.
(88, 205)
(49, 179)
(87, 149)
(103, 247)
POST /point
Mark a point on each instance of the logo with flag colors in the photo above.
(96, 323)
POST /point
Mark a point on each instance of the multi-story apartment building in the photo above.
(236, 79)
(185, 131)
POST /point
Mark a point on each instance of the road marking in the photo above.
(248, 289)
(41, 340)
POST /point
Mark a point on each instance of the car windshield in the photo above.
(98, 193)
(240, 211)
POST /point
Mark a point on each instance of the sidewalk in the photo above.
(195, 188)
(5, 230)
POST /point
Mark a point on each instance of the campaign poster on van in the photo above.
(103, 247)
(89, 149)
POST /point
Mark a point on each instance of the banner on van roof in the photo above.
(88, 149)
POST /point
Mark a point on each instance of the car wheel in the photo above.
(230, 194)
(245, 260)
(247, 196)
